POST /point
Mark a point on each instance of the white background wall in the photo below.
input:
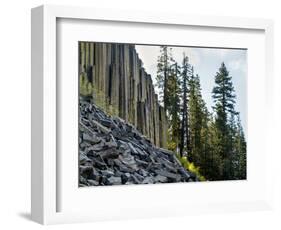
(15, 113)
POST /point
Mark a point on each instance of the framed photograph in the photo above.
(142, 114)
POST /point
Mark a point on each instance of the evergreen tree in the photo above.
(224, 98)
(163, 71)
(223, 93)
(173, 109)
(196, 112)
(240, 146)
(210, 162)
(187, 72)
(167, 78)
(215, 167)
(231, 160)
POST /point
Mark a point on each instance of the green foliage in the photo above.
(239, 152)
(164, 64)
(104, 103)
(191, 167)
(172, 146)
(99, 97)
(86, 87)
(186, 73)
(223, 92)
(229, 141)
(173, 108)
(196, 117)
(167, 80)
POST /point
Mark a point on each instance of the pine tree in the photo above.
(163, 71)
(241, 149)
(231, 160)
(223, 92)
(187, 71)
(224, 98)
(196, 113)
(173, 109)
(210, 162)
(168, 84)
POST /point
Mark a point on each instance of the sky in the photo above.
(206, 62)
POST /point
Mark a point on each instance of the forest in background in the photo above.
(212, 141)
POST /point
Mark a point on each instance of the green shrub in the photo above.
(191, 167)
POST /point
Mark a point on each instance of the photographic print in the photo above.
(152, 114)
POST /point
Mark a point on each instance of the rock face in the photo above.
(113, 152)
(117, 75)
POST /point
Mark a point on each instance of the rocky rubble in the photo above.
(112, 152)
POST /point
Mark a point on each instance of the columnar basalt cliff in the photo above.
(118, 78)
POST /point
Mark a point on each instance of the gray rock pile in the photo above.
(112, 152)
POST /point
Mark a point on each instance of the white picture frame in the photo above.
(45, 90)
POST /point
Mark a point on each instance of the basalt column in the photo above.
(123, 87)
